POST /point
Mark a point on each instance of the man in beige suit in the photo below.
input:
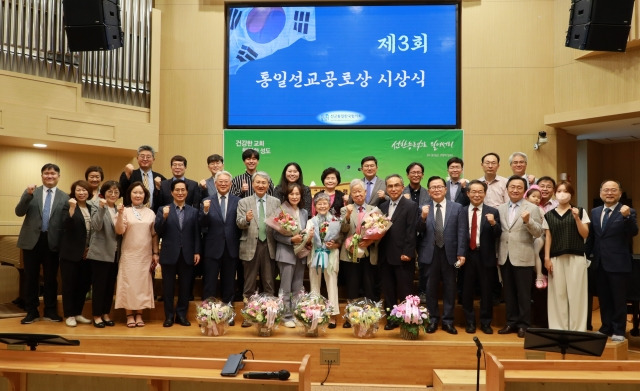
(257, 245)
(520, 221)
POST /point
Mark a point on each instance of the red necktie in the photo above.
(474, 229)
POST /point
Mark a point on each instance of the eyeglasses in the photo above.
(609, 191)
(415, 172)
(436, 188)
(145, 157)
(369, 166)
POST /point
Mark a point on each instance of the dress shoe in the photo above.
(246, 323)
(98, 325)
(486, 328)
(182, 321)
(30, 318)
(71, 321)
(232, 322)
(471, 328)
(390, 326)
(449, 328)
(346, 325)
(521, 332)
(82, 319)
(167, 323)
(508, 330)
(332, 325)
(617, 338)
(52, 317)
(109, 322)
(432, 328)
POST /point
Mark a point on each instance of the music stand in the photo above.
(565, 341)
(33, 340)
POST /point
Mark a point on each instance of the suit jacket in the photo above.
(379, 185)
(74, 237)
(175, 238)
(611, 245)
(400, 239)
(220, 233)
(284, 247)
(165, 198)
(488, 235)
(210, 190)
(456, 233)
(136, 176)
(30, 206)
(516, 240)
(423, 195)
(460, 196)
(249, 238)
(349, 228)
(105, 243)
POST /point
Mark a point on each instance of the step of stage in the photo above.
(457, 380)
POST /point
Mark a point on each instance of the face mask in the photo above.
(563, 197)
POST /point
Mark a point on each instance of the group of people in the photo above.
(490, 230)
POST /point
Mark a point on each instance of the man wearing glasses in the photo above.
(375, 187)
(178, 169)
(496, 184)
(145, 174)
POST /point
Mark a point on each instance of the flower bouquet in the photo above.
(364, 315)
(265, 311)
(312, 311)
(325, 229)
(411, 317)
(373, 226)
(284, 221)
(213, 316)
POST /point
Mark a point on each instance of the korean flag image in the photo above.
(255, 33)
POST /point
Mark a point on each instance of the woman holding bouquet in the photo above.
(325, 241)
(290, 262)
(292, 173)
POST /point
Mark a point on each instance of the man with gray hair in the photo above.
(149, 178)
(518, 163)
(257, 244)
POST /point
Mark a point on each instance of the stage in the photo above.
(384, 359)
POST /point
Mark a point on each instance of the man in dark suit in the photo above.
(178, 169)
(480, 261)
(39, 240)
(149, 178)
(614, 226)
(442, 249)
(374, 185)
(456, 191)
(178, 227)
(215, 164)
(218, 216)
(397, 249)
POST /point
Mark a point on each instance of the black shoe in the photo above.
(471, 328)
(30, 318)
(167, 323)
(332, 325)
(449, 328)
(521, 332)
(53, 317)
(486, 328)
(508, 330)
(109, 322)
(98, 325)
(432, 328)
(246, 323)
(634, 332)
(182, 321)
(390, 326)
(232, 322)
(346, 325)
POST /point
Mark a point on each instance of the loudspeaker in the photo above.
(601, 12)
(602, 37)
(92, 24)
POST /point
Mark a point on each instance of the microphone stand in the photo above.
(478, 354)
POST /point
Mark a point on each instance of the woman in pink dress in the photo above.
(139, 255)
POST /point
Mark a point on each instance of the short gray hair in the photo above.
(146, 148)
(521, 154)
(321, 196)
(356, 182)
(227, 173)
(261, 174)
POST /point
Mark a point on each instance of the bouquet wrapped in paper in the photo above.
(213, 316)
(312, 310)
(373, 226)
(265, 310)
(325, 229)
(410, 315)
(364, 316)
(284, 221)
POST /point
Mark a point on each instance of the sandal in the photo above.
(131, 324)
(139, 323)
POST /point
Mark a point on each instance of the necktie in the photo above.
(145, 182)
(223, 208)
(369, 188)
(262, 228)
(474, 228)
(392, 209)
(439, 227)
(180, 212)
(46, 211)
(512, 214)
(607, 212)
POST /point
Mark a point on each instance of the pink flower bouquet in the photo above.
(312, 311)
(264, 310)
(373, 226)
(284, 221)
(212, 316)
(410, 315)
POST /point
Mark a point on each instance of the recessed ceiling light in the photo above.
(39, 145)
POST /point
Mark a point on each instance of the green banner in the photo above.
(315, 150)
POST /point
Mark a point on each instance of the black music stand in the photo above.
(33, 340)
(564, 341)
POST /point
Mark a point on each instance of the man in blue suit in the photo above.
(614, 226)
(222, 241)
(442, 249)
(177, 225)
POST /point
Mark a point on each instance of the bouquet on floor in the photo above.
(373, 226)
(263, 309)
(410, 315)
(312, 310)
(213, 316)
(325, 229)
(364, 316)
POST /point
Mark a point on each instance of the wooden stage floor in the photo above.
(385, 359)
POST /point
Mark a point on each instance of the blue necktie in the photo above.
(46, 211)
(607, 212)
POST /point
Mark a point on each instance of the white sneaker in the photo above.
(71, 321)
(617, 338)
(290, 324)
(82, 319)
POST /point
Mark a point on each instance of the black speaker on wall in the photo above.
(92, 24)
(602, 25)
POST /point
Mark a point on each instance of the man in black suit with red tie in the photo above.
(480, 265)
(149, 178)
(397, 249)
